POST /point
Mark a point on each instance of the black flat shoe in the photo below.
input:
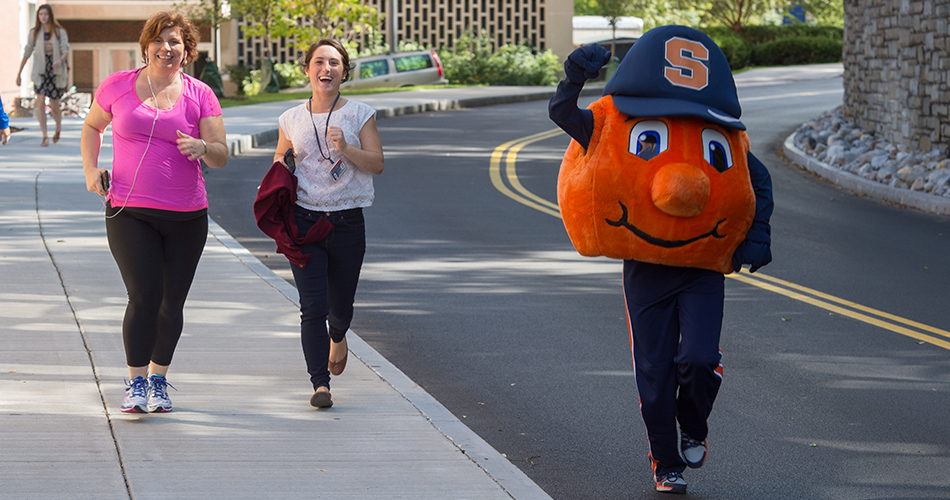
(321, 399)
(336, 368)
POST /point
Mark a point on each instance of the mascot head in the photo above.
(665, 177)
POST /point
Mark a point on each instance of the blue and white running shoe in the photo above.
(158, 400)
(135, 398)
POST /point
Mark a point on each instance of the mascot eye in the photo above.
(716, 150)
(649, 138)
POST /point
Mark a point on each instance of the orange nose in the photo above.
(680, 190)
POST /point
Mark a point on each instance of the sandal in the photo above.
(56, 137)
(45, 142)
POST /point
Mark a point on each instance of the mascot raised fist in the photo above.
(659, 173)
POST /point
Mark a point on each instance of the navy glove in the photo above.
(751, 252)
(585, 62)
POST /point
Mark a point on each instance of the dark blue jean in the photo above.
(327, 285)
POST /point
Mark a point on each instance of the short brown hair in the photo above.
(154, 26)
(344, 55)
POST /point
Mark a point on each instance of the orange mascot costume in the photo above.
(659, 174)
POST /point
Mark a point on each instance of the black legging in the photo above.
(157, 258)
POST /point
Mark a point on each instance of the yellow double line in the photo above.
(847, 308)
(520, 194)
(500, 161)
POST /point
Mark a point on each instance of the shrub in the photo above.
(517, 65)
(768, 45)
(467, 62)
(797, 50)
(756, 34)
(738, 51)
(763, 34)
(290, 74)
(238, 74)
(251, 84)
(473, 62)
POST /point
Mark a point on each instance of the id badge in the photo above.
(337, 170)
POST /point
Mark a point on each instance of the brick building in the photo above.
(897, 70)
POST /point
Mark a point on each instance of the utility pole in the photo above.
(216, 34)
(393, 34)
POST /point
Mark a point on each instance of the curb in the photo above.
(914, 199)
(240, 143)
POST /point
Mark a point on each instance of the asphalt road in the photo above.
(481, 299)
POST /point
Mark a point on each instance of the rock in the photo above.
(843, 145)
(914, 173)
(868, 156)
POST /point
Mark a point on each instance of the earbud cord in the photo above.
(147, 144)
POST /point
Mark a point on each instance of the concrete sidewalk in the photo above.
(242, 426)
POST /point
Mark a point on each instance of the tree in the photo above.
(585, 8)
(652, 12)
(736, 13)
(662, 12)
(344, 20)
(210, 12)
(825, 12)
(613, 10)
(265, 18)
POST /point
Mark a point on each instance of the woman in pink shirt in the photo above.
(163, 123)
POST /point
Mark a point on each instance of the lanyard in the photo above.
(325, 130)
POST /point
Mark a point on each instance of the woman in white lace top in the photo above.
(338, 151)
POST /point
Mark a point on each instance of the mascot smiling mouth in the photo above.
(714, 232)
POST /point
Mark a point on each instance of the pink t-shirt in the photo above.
(166, 180)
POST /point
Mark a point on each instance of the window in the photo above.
(369, 69)
(409, 63)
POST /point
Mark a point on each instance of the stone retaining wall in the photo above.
(897, 70)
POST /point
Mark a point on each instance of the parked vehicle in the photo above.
(401, 69)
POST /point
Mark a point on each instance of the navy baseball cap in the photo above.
(676, 71)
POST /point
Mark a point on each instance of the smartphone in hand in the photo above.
(289, 160)
(104, 178)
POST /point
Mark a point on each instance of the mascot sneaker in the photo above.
(671, 482)
(134, 401)
(694, 452)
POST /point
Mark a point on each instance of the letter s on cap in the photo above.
(686, 55)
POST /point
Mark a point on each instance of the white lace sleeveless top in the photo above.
(316, 189)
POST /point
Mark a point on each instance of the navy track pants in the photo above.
(675, 319)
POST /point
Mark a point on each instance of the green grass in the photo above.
(292, 96)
